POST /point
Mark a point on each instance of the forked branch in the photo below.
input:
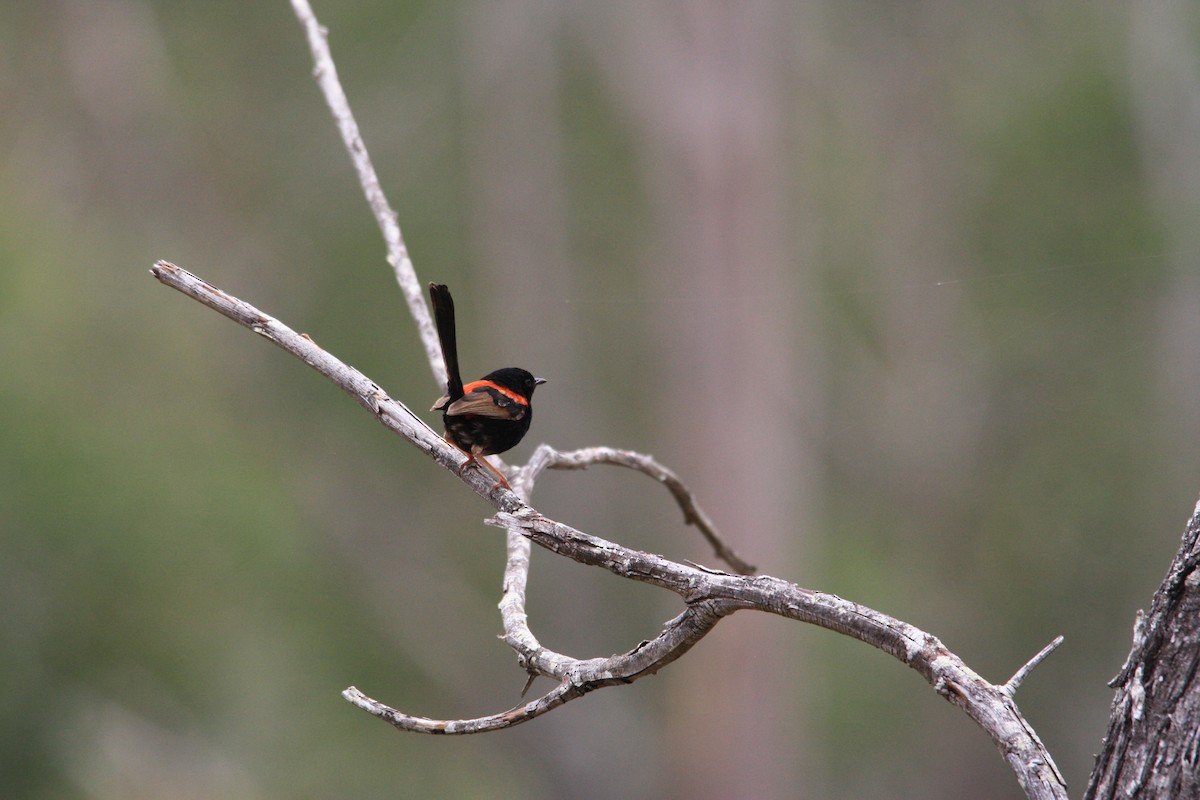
(709, 595)
(546, 457)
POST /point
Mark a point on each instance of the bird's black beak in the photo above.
(538, 381)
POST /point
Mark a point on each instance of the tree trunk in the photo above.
(1152, 749)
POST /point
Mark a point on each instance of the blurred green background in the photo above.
(905, 292)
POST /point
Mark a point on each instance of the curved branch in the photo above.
(546, 457)
(560, 694)
(576, 677)
(989, 705)
(711, 591)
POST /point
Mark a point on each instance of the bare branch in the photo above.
(325, 72)
(576, 677)
(394, 415)
(546, 457)
(991, 708)
(1019, 677)
(562, 693)
(710, 595)
(537, 660)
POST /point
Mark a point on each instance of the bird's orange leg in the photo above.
(479, 462)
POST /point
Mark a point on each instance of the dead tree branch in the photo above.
(325, 71)
(708, 594)
(1014, 683)
(546, 457)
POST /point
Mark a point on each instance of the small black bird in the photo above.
(487, 416)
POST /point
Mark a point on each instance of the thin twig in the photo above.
(1019, 677)
(493, 722)
(576, 678)
(546, 457)
(325, 72)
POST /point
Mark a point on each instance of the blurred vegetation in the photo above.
(941, 277)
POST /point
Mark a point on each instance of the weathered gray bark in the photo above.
(709, 595)
(1152, 749)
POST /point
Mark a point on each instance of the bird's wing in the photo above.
(485, 402)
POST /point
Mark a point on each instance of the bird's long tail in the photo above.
(443, 316)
